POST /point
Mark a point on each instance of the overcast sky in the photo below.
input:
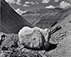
(22, 5)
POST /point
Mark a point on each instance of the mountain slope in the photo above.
(66, 27)
(44, 17)
(11, 22)
(48, 20)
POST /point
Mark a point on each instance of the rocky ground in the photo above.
(62, 38)
(63, 49)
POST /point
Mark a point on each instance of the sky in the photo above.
(24, 5)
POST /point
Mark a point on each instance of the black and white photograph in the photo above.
(35, 28)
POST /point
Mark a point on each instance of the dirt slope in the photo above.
(66, 27)
(11, 22)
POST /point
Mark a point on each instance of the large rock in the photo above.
(33, 37)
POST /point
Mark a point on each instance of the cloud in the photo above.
(19, 11)
(25, 5)
(11, 1)
(50, 6)
(31, 2)
(45, 1)
(36, 2)
(27, 2)
(64, 4)
(18, 2)
(56, 0)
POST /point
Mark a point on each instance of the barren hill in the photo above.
(44, 18)
(11, 22)
(41, 16)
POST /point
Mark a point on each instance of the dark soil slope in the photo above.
(11, 22)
